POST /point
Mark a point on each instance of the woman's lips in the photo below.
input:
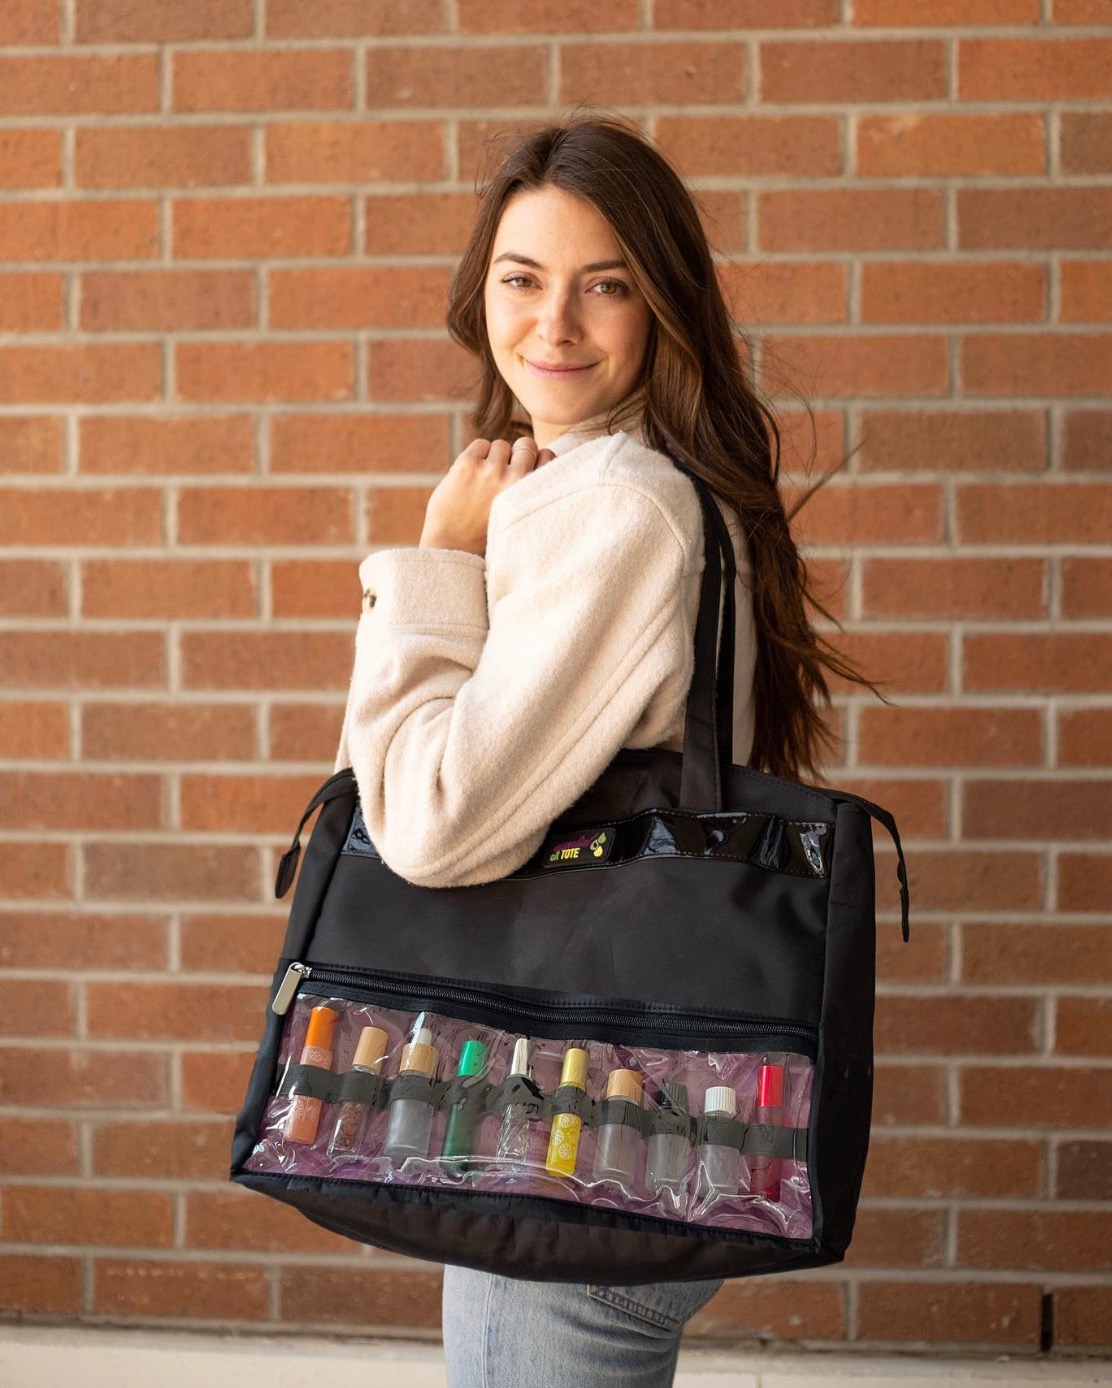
(558, 369)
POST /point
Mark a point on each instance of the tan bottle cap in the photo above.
(624, 1084)
(371, 1051)
(574, 1069)
(420, 1055)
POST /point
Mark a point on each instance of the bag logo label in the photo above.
(584, 850)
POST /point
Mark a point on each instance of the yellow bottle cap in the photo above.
(624, 1084)
(574, 1069)
(371, 1051)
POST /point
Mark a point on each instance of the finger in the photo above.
(523, 454)
(499, 454)
(545, 456)
(475, 451)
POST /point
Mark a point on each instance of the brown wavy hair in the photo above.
(695, 401)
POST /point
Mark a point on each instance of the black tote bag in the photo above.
(644, 1056)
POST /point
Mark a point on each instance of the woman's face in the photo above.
(567, 325)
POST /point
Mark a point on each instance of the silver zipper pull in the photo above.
(288, 987)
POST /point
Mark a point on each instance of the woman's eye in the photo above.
(518, 281)
(610, 289)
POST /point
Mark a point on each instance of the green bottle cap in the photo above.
(472, 1059)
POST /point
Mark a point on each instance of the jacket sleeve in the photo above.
(480, 710)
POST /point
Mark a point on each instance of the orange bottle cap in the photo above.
(322, 1028)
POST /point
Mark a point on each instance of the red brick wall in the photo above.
(228, 226)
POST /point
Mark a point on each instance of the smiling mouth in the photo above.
(546, 369)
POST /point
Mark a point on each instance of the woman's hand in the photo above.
(459, 508)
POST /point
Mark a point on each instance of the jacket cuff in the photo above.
(423, 588)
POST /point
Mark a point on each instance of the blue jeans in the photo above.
(500, 1332)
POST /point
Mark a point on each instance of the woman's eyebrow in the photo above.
(536, 265)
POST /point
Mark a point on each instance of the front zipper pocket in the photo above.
(693, 1118)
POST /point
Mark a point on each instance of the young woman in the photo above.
(546, 619)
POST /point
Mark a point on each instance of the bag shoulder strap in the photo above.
(339, 783)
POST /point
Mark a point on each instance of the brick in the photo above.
(906, 662)
(952, 1312)
(1017, 513)
(30, 302)
(261, 515)
(175, 1290)
(30, 22)
(86, 940)
(908, 1094)
(1086, 291)
(162, 21)
(362, 443)
(30, 159)
(308, 661)
(1038, 662)
(953, 588)
(953, 1168)
(1084, 882)
(215, 589)
(81, 660)
(396, 515)
(1047, 1096)
(1043, 364)
(374, 1297)
(261, 228)
(102, 374)
(118, 1079)
(1084, 1171)
(1034, 218)
(1085, 737)
(751, 1307)
(167, 444)
(39, 1147)
(850, 70)
(955, 440)
(927, 145)
(41, 1286)
(785, 292)
(547, 16)
(940, 292)
(243, 804)
(86, 85)
(1036, 954)
(888, 1238)
(1086, 440)
(636, 74)
(1033, 69)
(30, 444)
(129, 731)
(413, 369)
(35, 1007)
(950, 737)
(1034, 1239)
(852, 366)
(475, 75)
(76, 230)
(37, 730)
(32, 871)
(812, 441)
(419, 223)
(928, 962)
(304, 732)
(170, 871)
(968, 880)
(1082, 1026)
(744, 14)
(215, 1081)
(247, 944)
(174, 156)
(1082, 1315)
(164, 1151)
(112, 516)
(80, 800)
(355, 151)
(1042, 809)
(359, 297)
(1085, 142)
(743, 146)
(314, 588)
(263, 80)
(265, 371)
(174, 1011)
(1079, 11)
(50, 1214)
(167, 300)
(960, 1024)
(32, 587)
(337, 19)
(235, 1220)
(900, 13)
(845, 514)
(850, 219)
(919, 805)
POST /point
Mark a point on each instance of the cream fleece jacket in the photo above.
(488, 695)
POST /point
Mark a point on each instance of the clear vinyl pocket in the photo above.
(700, 1120)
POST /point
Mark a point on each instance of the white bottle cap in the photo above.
(721, 1099)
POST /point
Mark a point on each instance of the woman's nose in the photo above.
(556, 321)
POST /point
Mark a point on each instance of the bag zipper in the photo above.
(694, 1023)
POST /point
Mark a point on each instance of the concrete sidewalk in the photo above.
(37, 1357)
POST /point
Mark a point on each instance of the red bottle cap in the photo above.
(770, 1086)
